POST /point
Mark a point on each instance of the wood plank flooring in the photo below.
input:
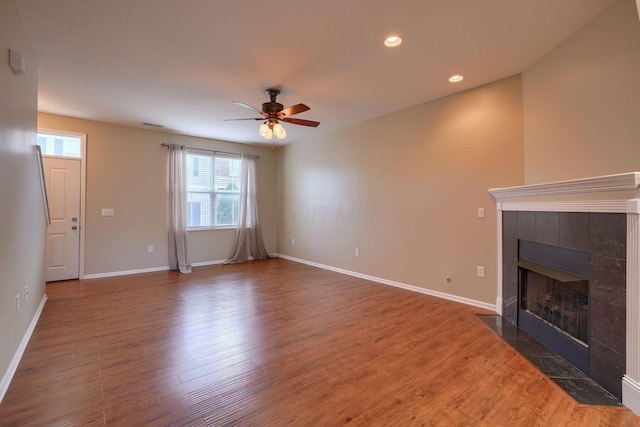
(273, 343)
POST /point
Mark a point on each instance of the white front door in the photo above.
(62, 178)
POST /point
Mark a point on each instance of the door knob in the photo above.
(74, 227)
(74, 219)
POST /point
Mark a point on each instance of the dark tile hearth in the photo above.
(579, 386)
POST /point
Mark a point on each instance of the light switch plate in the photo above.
(480, 271)
(16, 62)
(108, 212)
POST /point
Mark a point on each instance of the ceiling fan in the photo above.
(273, 112)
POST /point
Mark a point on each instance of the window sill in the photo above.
(233, 227)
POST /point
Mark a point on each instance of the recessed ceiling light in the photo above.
(456, 78)
(392, 41)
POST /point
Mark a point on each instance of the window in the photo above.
(59, 145)
(213, 191)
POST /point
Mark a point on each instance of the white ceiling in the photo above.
(182, 63)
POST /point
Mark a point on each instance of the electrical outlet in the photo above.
(26, 293)
(480, 270)
(357, 252)
(480, 212)
(293, 241)
(150, 248)
(17, 303)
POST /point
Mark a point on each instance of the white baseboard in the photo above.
(124, 273)
(151, 270)
(455, 298)
(13, 366)
(631, 394)
(204, 263)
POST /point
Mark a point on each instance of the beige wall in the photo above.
(127, 171)
(405, 188)
(582, 101)
(22, 223)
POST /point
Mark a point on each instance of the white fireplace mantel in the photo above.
(618, 182)
(612, 194)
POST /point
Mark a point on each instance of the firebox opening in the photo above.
(553, 299)
(556, 298)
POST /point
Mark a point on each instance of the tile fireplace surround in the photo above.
(610, 194)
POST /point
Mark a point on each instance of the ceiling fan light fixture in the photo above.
(265, 131)
(279, 132)
(393, 41)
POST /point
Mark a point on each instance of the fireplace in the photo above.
(574, 252)
(553, 299)
(601, 217)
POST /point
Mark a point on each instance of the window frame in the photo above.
(213, 193)
(62, 135)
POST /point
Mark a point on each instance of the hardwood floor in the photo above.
(271, 343)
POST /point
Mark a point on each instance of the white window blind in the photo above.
(213, 190)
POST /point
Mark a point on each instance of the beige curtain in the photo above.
(178, 211)
(248, 241)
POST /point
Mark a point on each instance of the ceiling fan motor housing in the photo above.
(272, 108)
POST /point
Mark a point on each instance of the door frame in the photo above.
(83, 186)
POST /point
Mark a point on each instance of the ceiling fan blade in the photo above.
(242, 104)
(301, 122)
(294, 109)
(252, 118)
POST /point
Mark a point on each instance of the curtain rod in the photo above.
(204, 149)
